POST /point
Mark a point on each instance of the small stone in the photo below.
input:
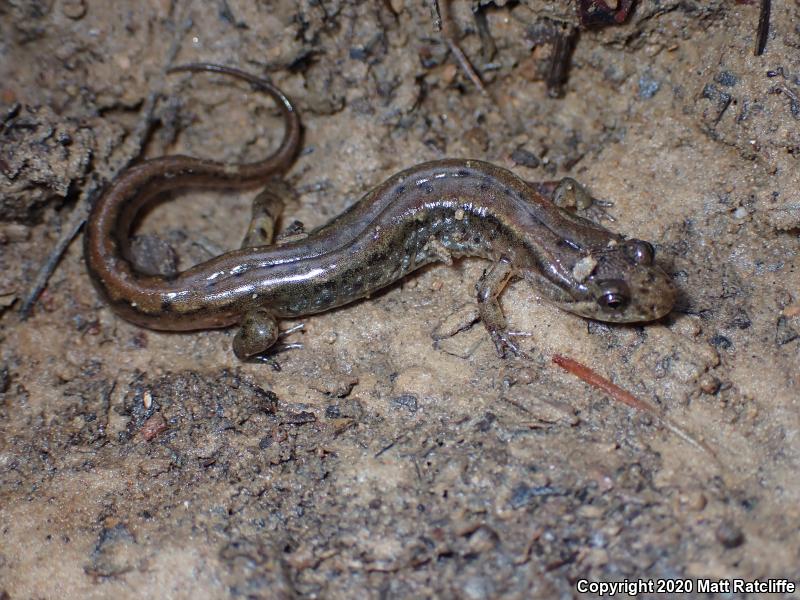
(729, 535)
(648, 87)
(696, 501)
(405, 401)
(691, 501)
(784, 218)
(589, 511)
(792, 311)
(726, 78)
(154, 256)
(484, 539)
(15, 232)
(74, 9)
(526, 158)
(153, 427)
(7, 300)
(123, 61)
(299, 418)
(708, 384)
(449, 73)
(478, 138)
(785, 332)
(689, 326)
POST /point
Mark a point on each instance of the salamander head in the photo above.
(621, 285)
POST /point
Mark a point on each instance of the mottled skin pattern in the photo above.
(430, 212)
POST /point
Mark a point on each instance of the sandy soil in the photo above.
(376, 464)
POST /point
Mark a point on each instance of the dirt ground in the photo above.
(377, 464)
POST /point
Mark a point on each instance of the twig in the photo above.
(763, 28)
(391, 444)
(444, 22)
(617, 393)
(76, 221)
(563, 46)
(79, 215)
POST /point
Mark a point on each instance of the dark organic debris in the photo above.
(763, 28)
(784, 332)
(597, 13)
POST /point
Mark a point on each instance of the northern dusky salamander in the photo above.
(431, 212)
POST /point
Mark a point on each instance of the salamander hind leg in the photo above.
(258, 331)
(489, 288)
(267, 208)
(257, 337)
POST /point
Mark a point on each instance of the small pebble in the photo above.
(729, 535)
(14, 232)
(791, 311)
(693, 501)
(708, 384)
(73, 9)
(153, 427)
(478, 138)
(483, 540)
(449, 72)
(526, 158)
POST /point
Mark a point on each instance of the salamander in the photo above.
(431, 212)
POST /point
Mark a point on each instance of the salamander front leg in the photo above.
(571, 194)
(568, 193)
(489, 288)
(267, 208)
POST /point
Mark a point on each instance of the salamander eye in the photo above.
(614, 295)
(640, 252)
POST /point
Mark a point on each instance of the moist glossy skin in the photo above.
(430, 212)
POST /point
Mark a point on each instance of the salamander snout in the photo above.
(624, 285)
(628, 287)
(645, 294)
(637, 295)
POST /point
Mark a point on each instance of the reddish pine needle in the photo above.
(601, 383)
(617, 393)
